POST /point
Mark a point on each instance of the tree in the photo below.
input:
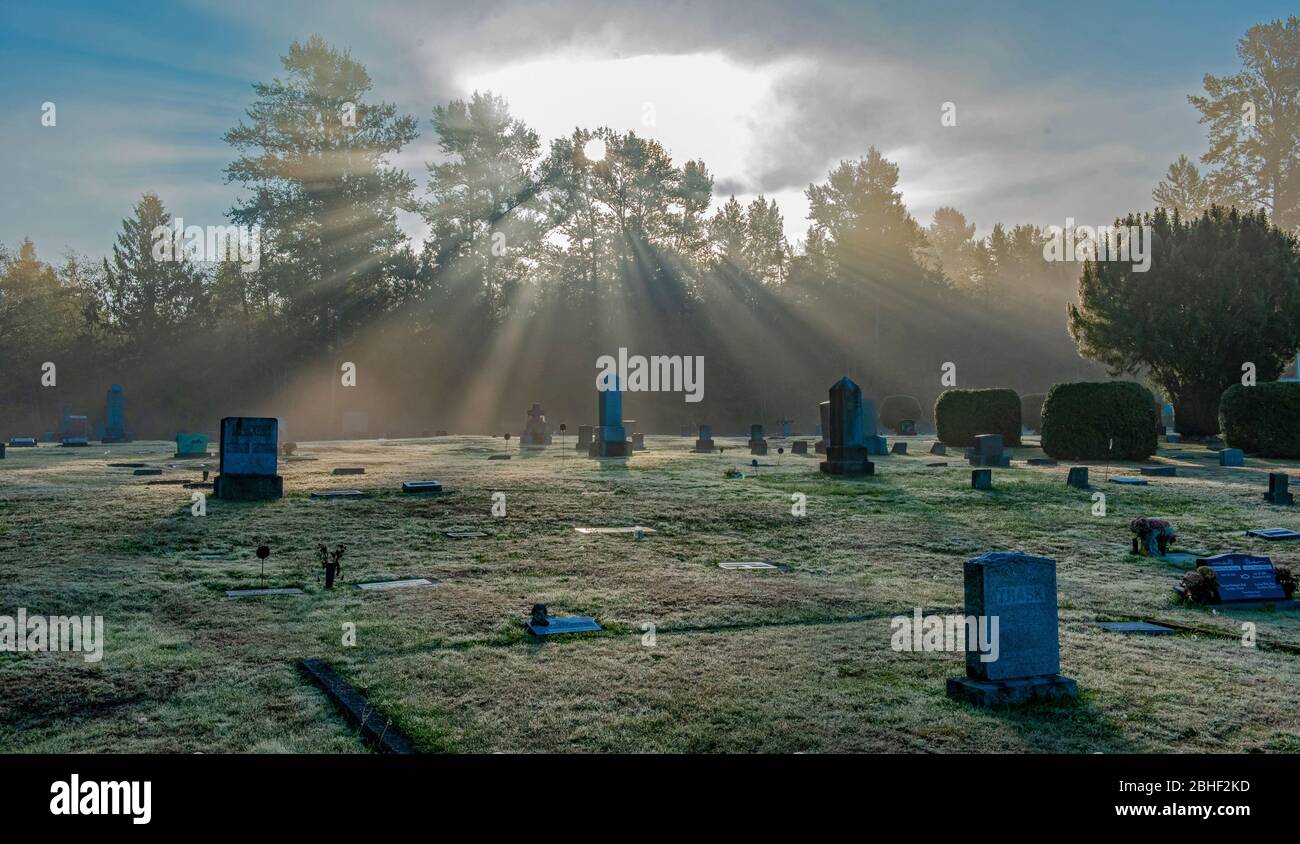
(951, 248)
(146, 300)
(1183, 190)
(314, 156)
(1254, 120)
(1221, 291)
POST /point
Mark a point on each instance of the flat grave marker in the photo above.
(1244, 577)
(463, 534)
(348, 470)
(385, 585)
(609, 530)
(421, 486)
(1159, 471)
(257, 593)
(1141, 628)
(339, 493)
(1128, 481)
(139, 472)
(752, 565)
(1232, 457)
(543, 623)
(1274, 534)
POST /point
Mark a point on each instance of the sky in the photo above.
(1061, 110)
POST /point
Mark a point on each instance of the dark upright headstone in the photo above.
(585, 437)
(249, 453)
(799, 447)
(899, 448)
(1078, 477)
(1019, 592)
(704, 445)
(115, 426)
(191, 446)
(611, 436)
(1277, 489)
(757, 444)
(938, 448)
(981, 479)
(638, 441)
(1232, 457)
(846, 449)
(535, 434)
(988, 451)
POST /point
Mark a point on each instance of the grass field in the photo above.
(742, 661)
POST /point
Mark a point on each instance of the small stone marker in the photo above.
(463, 534)
(704, 443)
(126, 465)
(348, 470)
(907, 428)
(899, 448)
(638, 441)
(421, 486)
(1041, 461)
(824, 409)
(1128, 481)
(22, 442)
(249, 451)
(981, 479)
(988, 451)
(2, 451)
(584, 437)
(339, 493)
(799, 447)
(147, 472)
(1274, 534)
(1244, 577)
(74, 442)
(384, 585)
(609, 530)
(190, 446)
(544, 624)
(1232, 457)
(938, 448)
(753, 565)
(1159, 471)
(757, 444)
(937, 463)
(1078, 477)
(255, 593)
(1019, 591)
(1141, 628)
(498, 457)
(1277, 489)
(1173, 438)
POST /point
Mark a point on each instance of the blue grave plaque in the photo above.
(1244, 577)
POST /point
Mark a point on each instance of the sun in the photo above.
(594, 150)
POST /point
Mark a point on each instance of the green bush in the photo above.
(1263, 419)
(1031, 411)
(961, 414)
(1080, 420)
(894, 409)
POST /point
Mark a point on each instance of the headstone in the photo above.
(799, 447)
(421, 486)
(638, 441)
(1277, 489)
(189, 446)
(874, 441)
(584, 437)
(249, 453)
(846, 449)
(938, 448)
(611, 437)
(535, 434)
(147, 472)
(1041, 461)
(385, 585)
(348, 470)
(543, 623)
(757, 444)
(988, 451)
(704, 445)
(907, 428)
(22, 442)
(1158, 471)
(1232, 457)
(498, 457)
(115, 426)
(1244, 577)
(1274, 534)
(1173, 438)
(1141, 628)
(824, 409)
(981, 479)
(2, 451)
(1128, 481)
(255, 593)
(937, 464)
(74, 442)
(1019, 591)
(783, 425)
(753, 565)
(329, 494)
(1078, 477)
(899, 448)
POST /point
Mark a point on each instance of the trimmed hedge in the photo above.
(1031, 411)
(894, 409)
(961, 414)
(1080, 420)
(1263, 419)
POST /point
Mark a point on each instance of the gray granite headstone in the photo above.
(585, 433)
(704, 443)
(1278, 482)
(981, 479)
(1232, 457)
(610, 436)
(846, 447)
(1078, 477)
(115, 426)
(1019, 590)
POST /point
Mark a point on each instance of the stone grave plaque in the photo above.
(1141, 628)
(1128, 481)
(146, 472)
(1159, 471)
(254, 593)
(938, 448)
(22, 442)
(1274, 534)
(384, 585)
(1232, 457)
(606, 530)
(1244, 577)
(421, 486)
(348, 470)
(1041, 461)
(191, 446)
(752, 565)
(330, 494)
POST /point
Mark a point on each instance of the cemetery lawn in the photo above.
(741, 662)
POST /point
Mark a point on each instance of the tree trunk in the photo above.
(1196, 410)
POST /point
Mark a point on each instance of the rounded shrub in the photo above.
(1263, 419)
(959, 415)
(1031, 411)
(894, 409)
(1081, 420)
